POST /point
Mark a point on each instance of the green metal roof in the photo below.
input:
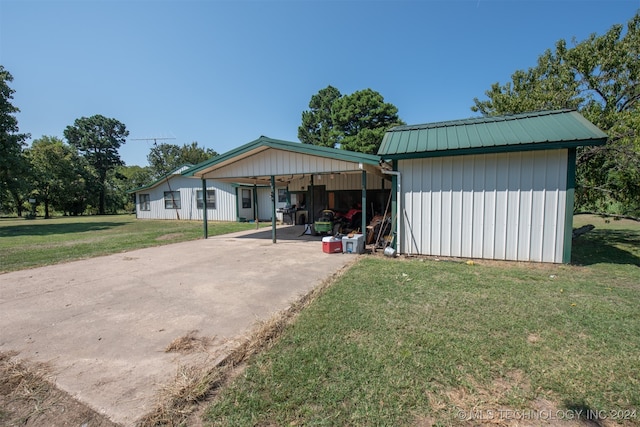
(176, 171)
(519, 132)
(265, 142)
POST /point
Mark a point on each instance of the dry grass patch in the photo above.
(189, 343)
(28, 397)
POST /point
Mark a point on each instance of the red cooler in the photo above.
(331, 245)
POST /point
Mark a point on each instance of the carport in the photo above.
(276, 163)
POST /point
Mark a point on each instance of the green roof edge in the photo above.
(494, 149)
(332, 153)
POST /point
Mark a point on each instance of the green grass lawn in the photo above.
(31, 243)
(417, 341)
(425, 342)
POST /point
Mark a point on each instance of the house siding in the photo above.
(508, 206)
(188, 187)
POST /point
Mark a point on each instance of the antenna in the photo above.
(154, 139)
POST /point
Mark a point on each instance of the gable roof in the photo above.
(177, 171)
(518, 132)
(264, 143)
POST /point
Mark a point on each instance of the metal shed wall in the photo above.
(225, 200)
(508, 206)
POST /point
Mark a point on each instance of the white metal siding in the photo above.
(278, 162)
(225, 200)
(497, 206)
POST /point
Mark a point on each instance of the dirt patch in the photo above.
(170, 236)
(506, 401)
(29, 398)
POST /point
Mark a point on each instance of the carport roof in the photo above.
(264, 142)
(518, 132)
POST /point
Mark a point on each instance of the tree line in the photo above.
(597, 76)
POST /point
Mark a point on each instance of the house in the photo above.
(175, 196)
(490, 187)
(239, 184)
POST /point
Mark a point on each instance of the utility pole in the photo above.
(155, 144)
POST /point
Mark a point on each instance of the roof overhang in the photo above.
(256, 162)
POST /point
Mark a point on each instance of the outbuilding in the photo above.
(490, 187)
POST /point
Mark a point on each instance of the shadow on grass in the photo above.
(41, 229)
(583, 412)
(607, 246)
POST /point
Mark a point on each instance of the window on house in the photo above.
(246, 199)
(145, 202)
(282, 195)
(172, 200)
(211, 199)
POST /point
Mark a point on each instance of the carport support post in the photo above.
(273, 208)
(204, 208)
(363, 230)
(256, 211)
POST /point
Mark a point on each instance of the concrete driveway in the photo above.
(103, 323)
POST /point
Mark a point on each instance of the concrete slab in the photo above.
(103, 323)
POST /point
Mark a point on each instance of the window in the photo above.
(145, 202)
(246, 199)
(172, 200)
(282, 195)
(211, 199)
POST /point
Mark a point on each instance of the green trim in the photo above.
(311, 200)
(255, 203)
(204, 208)
(569, 204)
(363, 221)
(237, 205)
(394, 204)
(495, 149)
(273, 208)
(297, 147)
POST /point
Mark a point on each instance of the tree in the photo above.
(163, 158)
(361, 119)
(317, 124)
(11, 142)
(98, 138)
(599, 77)
(56, 171)
(355, 122)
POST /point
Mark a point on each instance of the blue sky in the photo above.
(223, 73)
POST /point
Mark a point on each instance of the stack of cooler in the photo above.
(331, 245)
